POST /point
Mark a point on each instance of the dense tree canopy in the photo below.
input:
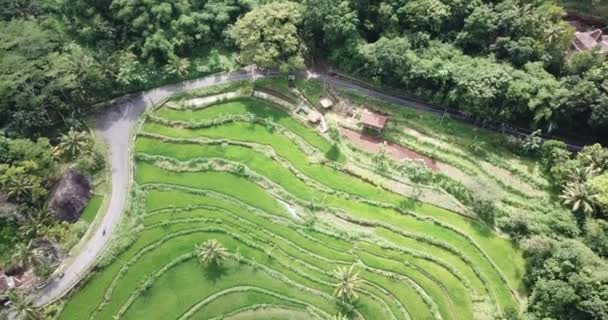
(155, 30)
(268, 36)
(25, 167)
(568, 280)
(42, 79)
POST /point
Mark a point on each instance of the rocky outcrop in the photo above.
(70, 196)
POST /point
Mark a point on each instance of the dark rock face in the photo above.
(70, 196)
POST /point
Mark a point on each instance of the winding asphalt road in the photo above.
(115, 125)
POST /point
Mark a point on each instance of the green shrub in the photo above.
(485, 210)
(478, 148)
(561, 172)
(416, 170)
(600, 184)
(516, 226)
(554, 152)
(90, 162)
(596, 236)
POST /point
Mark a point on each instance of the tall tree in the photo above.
(268, 36)
(74, 142)
(19, 187)
(22, 306)
(36, 221)
(23, 256)
(348, 283)
(580, 197)
(211, 253)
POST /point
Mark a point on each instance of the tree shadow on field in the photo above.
(333, 153)
(214, 272)
(482, 228)
(347, 308)
(408, 204)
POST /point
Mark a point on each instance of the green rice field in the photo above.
(271, 192)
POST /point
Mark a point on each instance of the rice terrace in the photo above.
(242, 209)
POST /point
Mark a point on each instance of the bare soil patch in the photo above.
(395, 151)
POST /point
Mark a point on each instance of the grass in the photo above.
(234, 301)
(216, 181)
(494, 244)
(178, 294)
(501, 251)
(258, 108)
(284, 178)
(415, 264)
(313, 90)
(90, 212)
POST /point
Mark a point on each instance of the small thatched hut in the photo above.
(70, 196)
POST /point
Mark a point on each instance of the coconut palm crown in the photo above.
(348, 282)
(579, 196)
(74, 142)
(22, 307)
(339, 316)
(211, 253)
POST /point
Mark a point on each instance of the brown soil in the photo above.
(395, 151)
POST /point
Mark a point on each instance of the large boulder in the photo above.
(70, 196)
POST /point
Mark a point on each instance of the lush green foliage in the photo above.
(502, 61)
(27, 172)
(268, 36)
(158, 31)
(43, 82)
(567, 280)
(25, 168)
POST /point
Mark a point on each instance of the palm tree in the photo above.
(74, 142)
(348, 281)
(177, 66)
(579, 196)
(594, 156)
(23, 256)
(35, 222)
(22, 307)
(553, 33)
(339, 316)
(582, 175)
(211, 253)
(19, 186)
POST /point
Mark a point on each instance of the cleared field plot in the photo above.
(287, 220)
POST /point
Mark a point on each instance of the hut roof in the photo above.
(326, 103)
(314, 116)
(70, 196)
(8, 282)
(373, 119)
(590, 39)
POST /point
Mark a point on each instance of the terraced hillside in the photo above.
(275, 194)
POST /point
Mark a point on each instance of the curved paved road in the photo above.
(115, 126)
